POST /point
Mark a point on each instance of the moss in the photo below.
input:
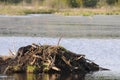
(16, 68)
(46, 66)
(32, 69)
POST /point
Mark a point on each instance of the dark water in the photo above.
(44, 77)
(98, 37)
(92, 76)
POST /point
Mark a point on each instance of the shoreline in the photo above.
(25, 10)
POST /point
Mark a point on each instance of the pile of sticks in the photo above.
(49, 59)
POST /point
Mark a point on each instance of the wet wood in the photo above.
(47, 58)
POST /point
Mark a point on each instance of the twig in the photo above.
(52, 65)
(59, 41)
(56, 68)
(6, 69)
(36, 56)
(33, 61)
(89, 61)
(40, 44)
(52, 61)
(14, 47)
(79, 58)
(11, 53)
(67, 62)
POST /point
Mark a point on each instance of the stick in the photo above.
(6, 70)
(36, 56)
(11, 53)
(53, 65)
(59, 41)
(33, 61)
(79, 58)
(67, 62)
(52, 61)
(40, 44)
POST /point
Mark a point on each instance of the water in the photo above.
(98, 37)
(104, 52)
(50, 25)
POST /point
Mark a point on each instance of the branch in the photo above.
(33, 61)
(11, 53)
(67, 62)
(59, 41)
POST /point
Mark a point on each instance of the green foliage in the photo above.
(75, 3)
(90, 3)
(11, 1)
(28, 1)
(56, 3)
(61, 4)
(111, 2)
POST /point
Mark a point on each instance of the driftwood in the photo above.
(47, 58)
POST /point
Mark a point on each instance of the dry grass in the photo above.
(89, 11)
(23, 10)
(6, 57)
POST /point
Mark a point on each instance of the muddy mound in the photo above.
(50, 59)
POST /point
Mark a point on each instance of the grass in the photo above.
(24, 10)
(89, 12)
(19, 10)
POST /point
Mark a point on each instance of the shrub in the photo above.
(111, 2)
(75, 3)
(90, 3)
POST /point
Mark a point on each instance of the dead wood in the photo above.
(47, 58)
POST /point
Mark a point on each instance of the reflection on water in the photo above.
(90, 76)
(105, 52)
(44, 77)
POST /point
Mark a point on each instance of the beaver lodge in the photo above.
(47, 59)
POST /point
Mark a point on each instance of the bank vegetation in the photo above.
(62, 7)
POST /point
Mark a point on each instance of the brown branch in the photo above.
(52, 61)
(67, 62)
(33, 61)
(59, 41)
(7, 68)
(79, 57)
(11, 53)
(56, 68)
(52, 65)
(36, 56)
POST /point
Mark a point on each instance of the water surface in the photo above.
(98, 37)
(98, 26)
(105, 52)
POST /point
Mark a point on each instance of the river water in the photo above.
(49, 25)
(98, 37)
